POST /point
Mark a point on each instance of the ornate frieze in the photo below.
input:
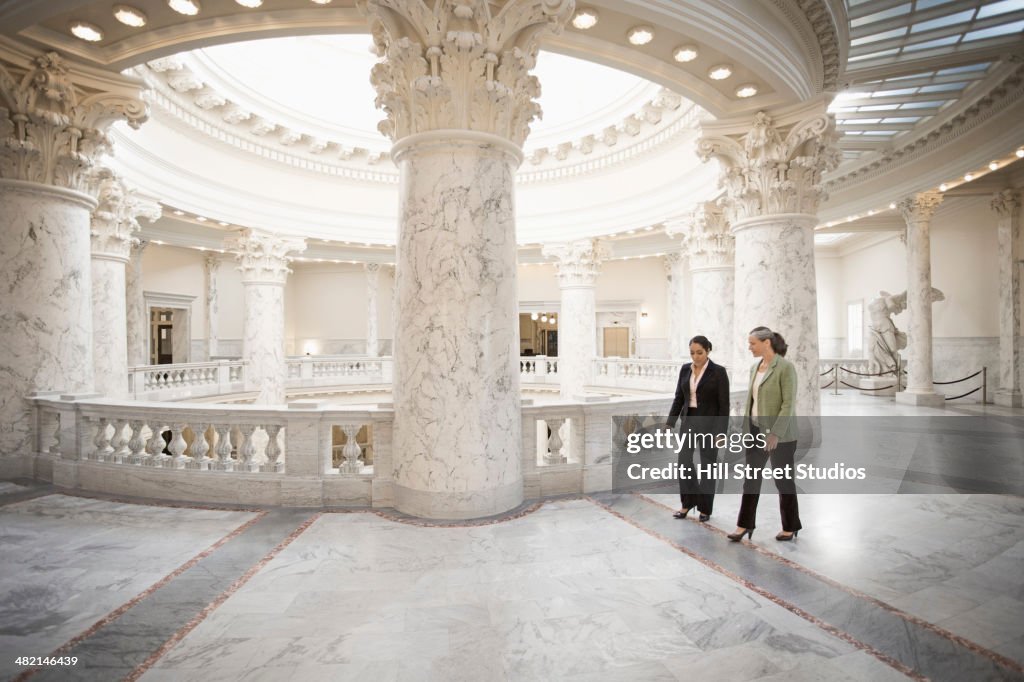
(578, 262)
(263, 257)
(54, 119)
(768, 171)
(459, 64)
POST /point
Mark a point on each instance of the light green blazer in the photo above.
(776, 399)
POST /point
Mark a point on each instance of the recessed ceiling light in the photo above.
(201, 219)
(640, 35)
(222, 223)
(251, 4)
(748, 90)
(84, 30)
(685, 53)
(720, 72)
(943, 187)
(892, 204)
(179, 213)
(1020, 153)
(993, 166)
(189, 8)
(129, 16)
(585, 18)
(968, 177)
(322, 2)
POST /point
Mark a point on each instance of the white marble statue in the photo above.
(888, 340)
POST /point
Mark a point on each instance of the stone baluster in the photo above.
(918, 211)
(554, 452)
(351, 451)
(157, 444)
(578, 265)
(454, 80)
(263, 261)
(247, 450)
(120, 441)
(1006, 205)
(53, 133)
(225, 460)
(101, 439)
(200, 447)
(772, 172)
(275, 455)
(177, 446)
(137, 443)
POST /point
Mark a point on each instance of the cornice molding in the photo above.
(816, 25)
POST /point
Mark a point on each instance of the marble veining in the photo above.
(263, 343)
(138, 354)
(110, 336)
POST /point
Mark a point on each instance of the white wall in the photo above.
(831, 306)
(173, 270)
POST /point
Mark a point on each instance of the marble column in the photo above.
(372, 288)
(712, 248)
(771, 173)
(135, 300)
(918, 211)
(263, 260)
(53, 121)
(578, 264)
(1006, 205)
(211, 311)
(675, 274)
(454, 80)
(113, 223)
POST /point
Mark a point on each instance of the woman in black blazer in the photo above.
(704, 411)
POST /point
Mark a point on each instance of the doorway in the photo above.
(616, 342)
(161, 336)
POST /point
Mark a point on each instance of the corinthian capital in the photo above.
(116, 217)
(54, 117)
(459, 64)
(263, 257)
(770, 170)
(710, 242)
(578, 262)
(920, 207)
(1006, 203)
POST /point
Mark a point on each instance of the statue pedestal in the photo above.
(868, 384)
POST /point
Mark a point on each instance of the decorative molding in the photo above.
(263, 257)
(54, 118)
(921, 207)
(578, 262)
(710, 243)
(457, 65)
(1006, 204)
(765, 173)
(828, 49)
(115, 220)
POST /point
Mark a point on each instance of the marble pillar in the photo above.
(1006, 205)
(263, 260)
(135, 301)
(114, 223)
(53, 124)
(578, 264)
(771, 172)
(372, 289)
(211, 311)
(675, 274)
(712, 248)
(454, 80)
(918, 211)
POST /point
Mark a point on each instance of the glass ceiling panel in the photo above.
(942, 22)
(995, 31)
(1000, 8)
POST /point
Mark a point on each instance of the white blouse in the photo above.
(761, 373)
(694, 380)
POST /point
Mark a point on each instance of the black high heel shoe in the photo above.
(736, 537)
(786, 538)
(681, 514)
(704, 518)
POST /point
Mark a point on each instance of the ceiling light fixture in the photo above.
(83, 30)
(534, 316)
(943, 187)
(993, 166)
(179, 213)
(322, 2)
(543, 318)
(892, 204)
(720, 72)
(201, 219)
(968, 177)
(585, 18)
(189, 8)
(685, 53)
(1020, 153)
(745, 91)
(129, 16)
(251, 4)
(640, 35)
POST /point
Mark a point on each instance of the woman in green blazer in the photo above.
(771, 401)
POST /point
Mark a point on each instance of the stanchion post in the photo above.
(835, 378)
(984, 385)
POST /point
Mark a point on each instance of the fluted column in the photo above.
(53, 121)
(675, 275)
(113, 223)
(263, 261)
(918, 211)
(771, 172)
(211, 309)
(578, 265)
(135, 299)
(1006, 205)
(455, 83)
(712, 249)
(372, 329)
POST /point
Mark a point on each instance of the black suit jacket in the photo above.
(712, 398)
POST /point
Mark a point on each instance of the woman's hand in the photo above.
(771, 442)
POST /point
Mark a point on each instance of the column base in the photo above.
(1008, 398)
(921, 399)
(470, 504)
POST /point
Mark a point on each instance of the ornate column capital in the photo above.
(372, 269)
(920, 207)
(711, 244)
(115, 219)
(263, 257)
(770, 170)
(672, 259)
(578, 262)
(459, 64)
(54, 117)
(212, 262)
(1006, 203)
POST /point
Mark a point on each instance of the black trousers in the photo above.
(782, 455)
(694, 493)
